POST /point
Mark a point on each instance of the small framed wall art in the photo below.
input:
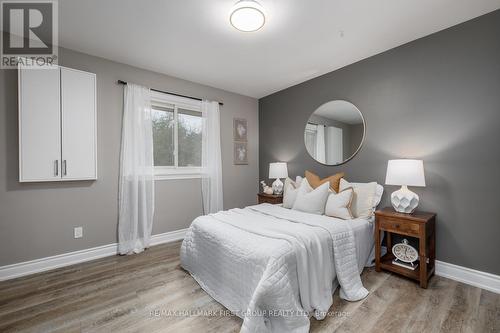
(240, 130)
(240, 138)
(240, 153)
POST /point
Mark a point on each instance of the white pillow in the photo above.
(363, 199)
(378, 195)
(339, 204)
(379, 191)
(290, 191)
(311, 201)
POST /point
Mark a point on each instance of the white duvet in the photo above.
(273, 266)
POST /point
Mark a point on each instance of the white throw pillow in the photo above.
(290, 191)
(311, 201)
(339, 204)
(379, 191)
(378, 196)
(363, 199)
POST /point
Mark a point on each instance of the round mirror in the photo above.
(334, 132)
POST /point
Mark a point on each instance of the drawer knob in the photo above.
(396, 225)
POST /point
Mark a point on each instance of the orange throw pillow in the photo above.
(315, 181)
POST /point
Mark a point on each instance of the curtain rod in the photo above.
(170, 93)
(315, 124)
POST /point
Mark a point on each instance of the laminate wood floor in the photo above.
(149, 292)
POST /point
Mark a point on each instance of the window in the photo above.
(163, 136)
(189, 138)
(177, 135)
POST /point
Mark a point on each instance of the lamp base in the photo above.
(404, 200)
(277, 186)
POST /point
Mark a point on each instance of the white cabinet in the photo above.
(39, 125)
(57, 125)
(78, 131)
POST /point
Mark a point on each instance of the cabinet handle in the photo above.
(56, 168)
(65, 166)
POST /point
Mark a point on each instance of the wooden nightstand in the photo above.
(269, 198)
(420, 225)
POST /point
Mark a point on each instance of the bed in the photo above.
(275, 267)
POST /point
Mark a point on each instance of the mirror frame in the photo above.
(360, 144)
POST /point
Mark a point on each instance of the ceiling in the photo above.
(302, 39)
(342, 111)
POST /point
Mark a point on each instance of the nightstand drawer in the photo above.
(395, 225)
(269, 198)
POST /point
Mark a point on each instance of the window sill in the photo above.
(169, 173)
(178, 176)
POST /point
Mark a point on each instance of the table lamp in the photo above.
(278, 170)
(405, 172)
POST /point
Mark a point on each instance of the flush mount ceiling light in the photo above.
(247, 16)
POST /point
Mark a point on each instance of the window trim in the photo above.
(175, 172)
(167, 173)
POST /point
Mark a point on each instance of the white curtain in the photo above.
(334, 145)
(211, 161)
(320, 144)
(136, 193)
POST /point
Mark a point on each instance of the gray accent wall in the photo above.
(436, 99)
(37, 219)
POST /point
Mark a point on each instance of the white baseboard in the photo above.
(44, 264)
(168, 237)
(466, 275)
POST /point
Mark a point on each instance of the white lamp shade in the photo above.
(278, 170)
(405, 172)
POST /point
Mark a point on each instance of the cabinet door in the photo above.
(39, 125)
(78, 102)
